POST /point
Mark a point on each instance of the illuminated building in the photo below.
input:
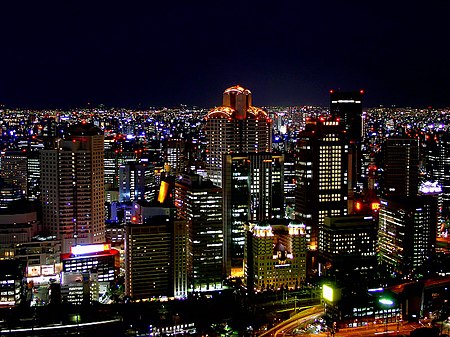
(79, 287)
(401, 167)
(347, 106)
(136, 182)
(435, 190)
(275, 256)
(113, 160)
(289, 184)
(148, 252)
(347, 248)
(42, 256)
(199, 205)
(9, 194)
(73, 198)
(321, 175)
(175, 155)
(33, 175)
(14, 170)
(12, 282)
(236, 126)
(100, 259)
(252, 191)
(407, 235)
(438, 165)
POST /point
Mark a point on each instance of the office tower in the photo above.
(148, 253)
(14, 170)
(33, 175)
(289, 184)
(434, 190)
(275, 256)
(347, 106)
(252, 191)
(401, 167)
(136, 182)
(347, 249)
(321, 175)
(114, 159)
(182, 265)
(175, 156)
(236, 126)
(199, 205)
(73, 205)
(407, 235)
(438, 165)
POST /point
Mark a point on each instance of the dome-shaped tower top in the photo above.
(239, 99)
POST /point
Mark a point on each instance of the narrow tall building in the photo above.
(401, 167)
(347, 107)
(199, 205)
(321, 171)
(236, 126)
(73, 187)
(438, 165)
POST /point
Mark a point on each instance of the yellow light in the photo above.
(327, 293)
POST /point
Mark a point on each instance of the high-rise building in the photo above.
(136, 182)
(199, 204)
(321, 175)
(347, 107)
(252, 191)
(175, 155)
(73, 205)
(347, 248)
(236, 126)
(438, 165)
(275, 256)
(401, 167)
(406, 234)
(13, 170)
(148, 253)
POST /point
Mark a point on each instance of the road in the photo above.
(378, 330)
(290, 324)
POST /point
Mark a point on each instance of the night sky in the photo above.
(164, 53)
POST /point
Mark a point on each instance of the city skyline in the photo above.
(69, 54)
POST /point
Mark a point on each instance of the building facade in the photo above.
(73, 205)
(236, 126)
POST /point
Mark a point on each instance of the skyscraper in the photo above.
(199, 204)
(252, 191)
(321, 175)
(406, 234)
(401, 167)
(73, 187)
(236, 126)
(347, 106)
(438, 165)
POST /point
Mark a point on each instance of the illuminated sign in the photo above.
(376, 206)
(331, 294)
(89, 249)
(327, 293)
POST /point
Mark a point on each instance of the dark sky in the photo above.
(160, 52)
